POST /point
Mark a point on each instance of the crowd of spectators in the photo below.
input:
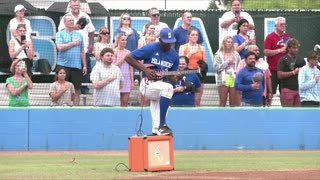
(242, 76)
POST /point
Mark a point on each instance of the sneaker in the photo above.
(164, 130)
(153, 134)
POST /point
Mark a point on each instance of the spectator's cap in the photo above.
(154, 11)
(166, 35)
(19, 7)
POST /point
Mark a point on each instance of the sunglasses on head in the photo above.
(104, 33)
(155, 15)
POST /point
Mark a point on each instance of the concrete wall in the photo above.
(194, 128)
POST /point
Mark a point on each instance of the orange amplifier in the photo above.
(151, 153)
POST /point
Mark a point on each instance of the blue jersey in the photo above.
(153, 54)
(70, 57)
(181, 36)
(185, 98)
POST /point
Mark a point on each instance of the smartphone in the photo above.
(237, 13)
(23, 38)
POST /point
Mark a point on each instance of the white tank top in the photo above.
(22, 54)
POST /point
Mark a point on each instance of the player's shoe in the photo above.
(153, 134)
(164, 130)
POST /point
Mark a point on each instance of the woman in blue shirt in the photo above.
(242, 40)
(125, 27)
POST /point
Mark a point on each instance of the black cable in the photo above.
(139, 131)
(116, 167)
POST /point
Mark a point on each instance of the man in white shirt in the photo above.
(107, 80)
(155, 20)
(88, 31)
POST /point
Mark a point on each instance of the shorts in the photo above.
(229, 80)
(74, 76)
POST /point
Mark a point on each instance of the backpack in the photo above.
(43, 66)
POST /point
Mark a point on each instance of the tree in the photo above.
(218, 4)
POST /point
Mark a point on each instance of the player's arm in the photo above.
(134, 63)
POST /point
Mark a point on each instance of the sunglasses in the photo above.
(126, 18)
(155, 15)
(105, 33)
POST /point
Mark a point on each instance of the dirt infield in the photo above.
(240, 175)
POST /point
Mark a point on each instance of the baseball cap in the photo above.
(154, 11)
(166, 35)
(19, 7)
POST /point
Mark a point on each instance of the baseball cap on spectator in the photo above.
(154, 11)
(19, 7)
(166, 35)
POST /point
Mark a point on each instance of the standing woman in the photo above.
(132, 35)
(62, 92)
(103, 41)
(195, 52)
(127, 71)
(225, 65)
(21, 47)
(241, 39)
(18, 84)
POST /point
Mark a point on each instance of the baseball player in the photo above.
(158, 57)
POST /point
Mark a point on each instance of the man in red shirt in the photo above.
(275, 46)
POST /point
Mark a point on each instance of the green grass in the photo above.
(281, 4)
(101, 166)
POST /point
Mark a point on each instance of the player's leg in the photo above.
(161, 93)
(155, 115)
(153, 94)
(165, 98)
